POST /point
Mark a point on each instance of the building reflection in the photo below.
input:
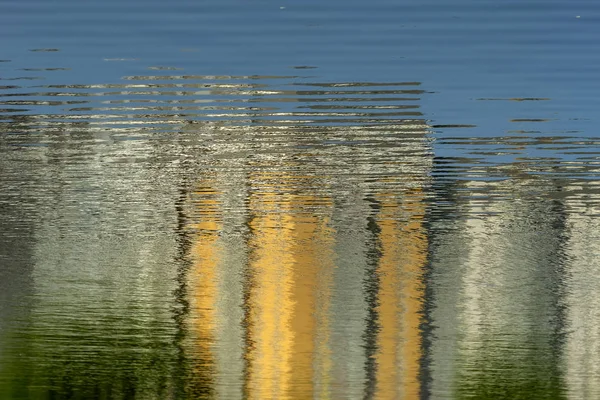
(252, 261)
(496, 280)
(332, 285)
(402, 256)
(310, 252)
(286, 305)
(582, 366)
(206, 254)
(214, 322)
(95, 322)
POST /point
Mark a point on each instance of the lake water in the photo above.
(299, 199)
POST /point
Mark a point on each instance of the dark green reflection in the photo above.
(75, 361)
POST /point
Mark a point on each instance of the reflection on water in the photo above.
(282, 237)
(500, 309)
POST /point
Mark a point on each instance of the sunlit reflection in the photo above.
(403, 245)
(269, 304)
(207, 259)
(278, 237)
(287, 302)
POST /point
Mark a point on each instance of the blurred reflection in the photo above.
(286, 304)
(287, 239)
(94, 322)
(402, 244)
(332, 294)
(583, 305)
(207, 257)
(498, 311)
(290, 281)
(213, 326)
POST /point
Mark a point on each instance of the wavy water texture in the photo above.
(257, 200)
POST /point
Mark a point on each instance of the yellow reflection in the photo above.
(203, 284)
(269, 303)
(312, 248)
(403, 255)
(289, 280)
(287, 305)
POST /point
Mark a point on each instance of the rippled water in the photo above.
(273, 200)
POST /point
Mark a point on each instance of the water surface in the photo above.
(299, 200)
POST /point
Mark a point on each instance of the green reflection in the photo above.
(76, 361)
(508, 373)
(497, 281)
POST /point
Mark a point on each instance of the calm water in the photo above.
(288, 200)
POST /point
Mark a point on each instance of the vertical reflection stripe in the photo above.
(269, 304)
(203, 277)
(400, 268)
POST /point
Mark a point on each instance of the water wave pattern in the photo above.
(143, 106)
(229, 199)
(162, 101)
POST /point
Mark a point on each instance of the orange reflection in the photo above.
(288, 289)
(312, 249)
(287, 306)
(403, 256)
(203, 276)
